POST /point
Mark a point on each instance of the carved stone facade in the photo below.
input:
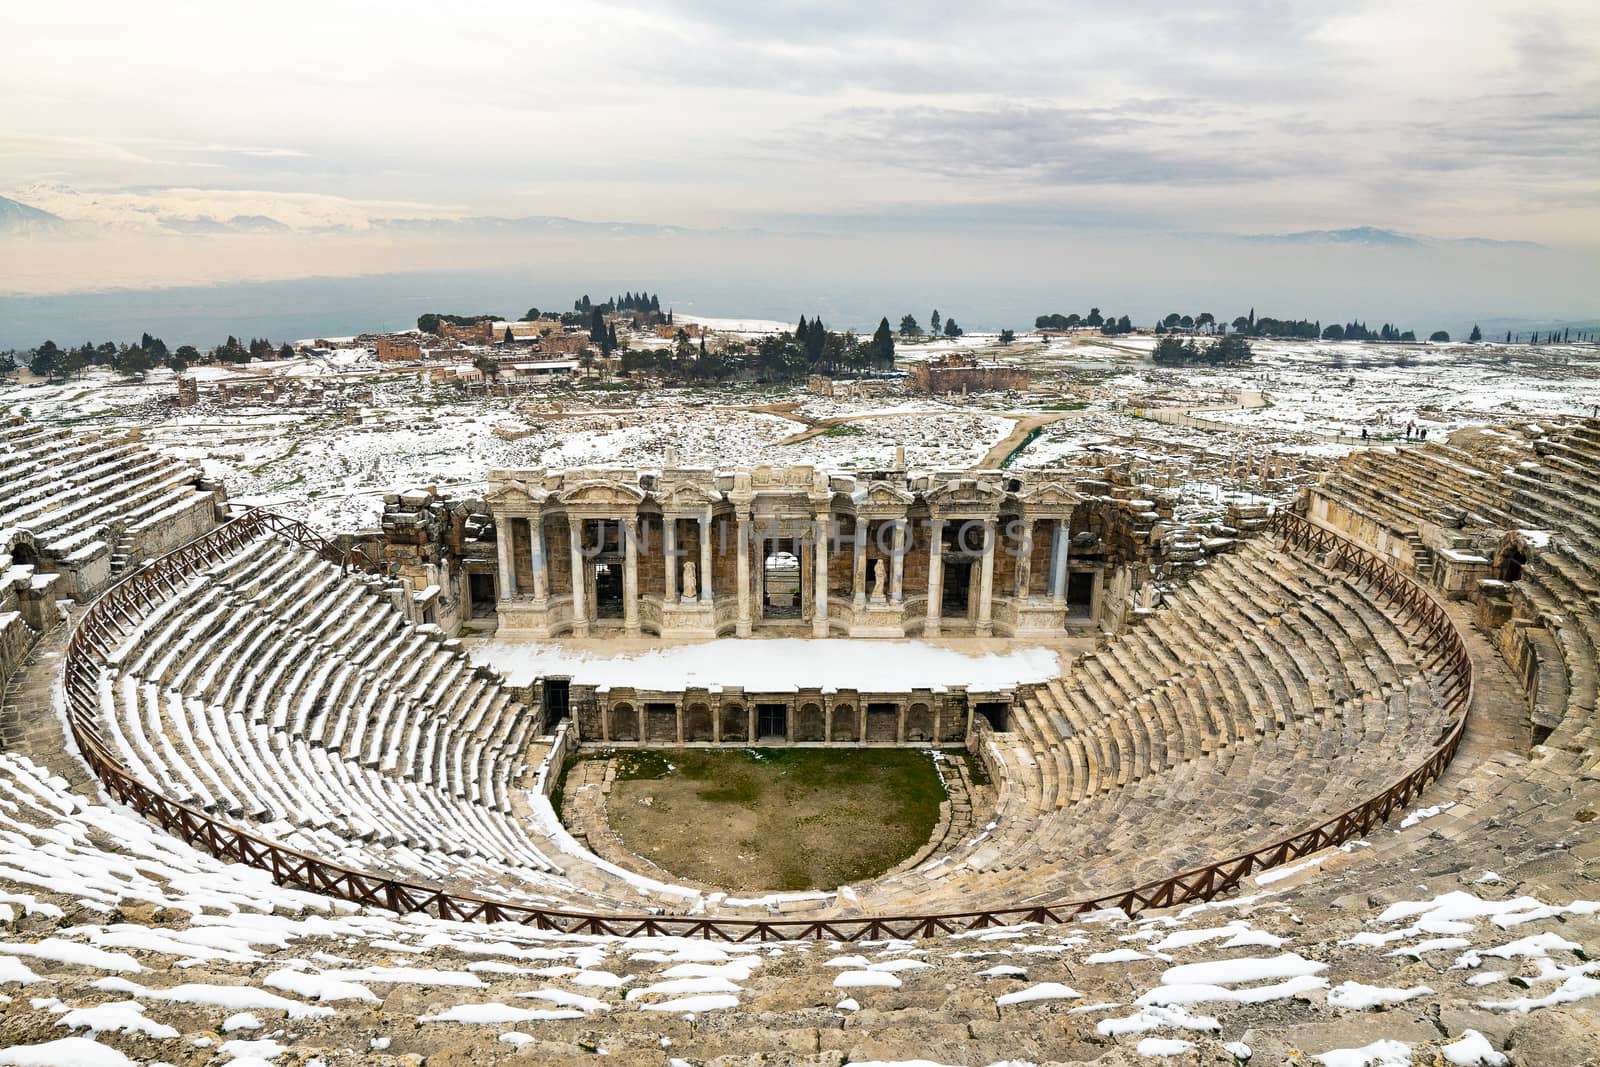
(729, 715)
(691, 552)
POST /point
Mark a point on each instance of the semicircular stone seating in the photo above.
(94, 506)
(1263, 697)
(273, 689)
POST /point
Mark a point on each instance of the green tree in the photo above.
(428, 323)
(488, 366)
(182, 358)
(1007, 336)
(507, 338)
(133, 362)
(933, 323)
(1476, 335)
(1094, 318)
(47, 360)
(530, 315)
(1439, 335)
(909, 327)
(883, 344)
(1171, 320)
(1333, 332)
(72, 363)
(951, 329)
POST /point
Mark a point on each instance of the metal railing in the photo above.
(110, 618)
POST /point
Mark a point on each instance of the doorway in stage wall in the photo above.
(772, 722)
(956, 596)
(780, 580)
(608, 590)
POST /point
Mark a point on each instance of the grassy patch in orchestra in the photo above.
(775, 819)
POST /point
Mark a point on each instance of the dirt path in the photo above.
(1026, 424)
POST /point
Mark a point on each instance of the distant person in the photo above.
(1422, 435)
(1363, 433)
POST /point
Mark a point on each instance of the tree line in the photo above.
(809, 348)
(136, 359)
(1173, 350)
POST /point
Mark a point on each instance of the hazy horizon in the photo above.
(1002, 160)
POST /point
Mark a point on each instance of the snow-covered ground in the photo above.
(332, 467)
(775, 666)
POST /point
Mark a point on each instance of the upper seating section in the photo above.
(1528, 500)
(87, 507)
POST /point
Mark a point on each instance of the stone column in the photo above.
(508, 573)
(986, 582)
(705, 559)
(580, 597)
(1058, 562)
(819, 610)
(669, 549)
(858, 566)
(1024, 561)
(897, 563)
(935, 578)
(743, 543)
(630, 581)
(541, 578)
(808, 599)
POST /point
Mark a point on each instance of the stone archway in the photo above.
(846, 723)
(735, 723)
(697, 723)
(624, 722)
(919, 723)
(809, 724)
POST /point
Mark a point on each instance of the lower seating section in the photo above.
(91, 507)
(276, 689)
(1267, 695)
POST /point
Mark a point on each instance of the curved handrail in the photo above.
(110, 616)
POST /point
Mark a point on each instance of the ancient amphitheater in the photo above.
(1318, 782)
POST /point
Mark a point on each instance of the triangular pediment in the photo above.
(515, 494)
(602, 493)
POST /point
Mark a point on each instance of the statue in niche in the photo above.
(1024, 568)
(879, 579)
(691, 583)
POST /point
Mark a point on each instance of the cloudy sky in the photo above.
(1449, 118)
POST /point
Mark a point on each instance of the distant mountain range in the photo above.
(197, 211)
(1375, 237)
(18, 218)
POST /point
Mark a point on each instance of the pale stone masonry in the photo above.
(692, 552)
